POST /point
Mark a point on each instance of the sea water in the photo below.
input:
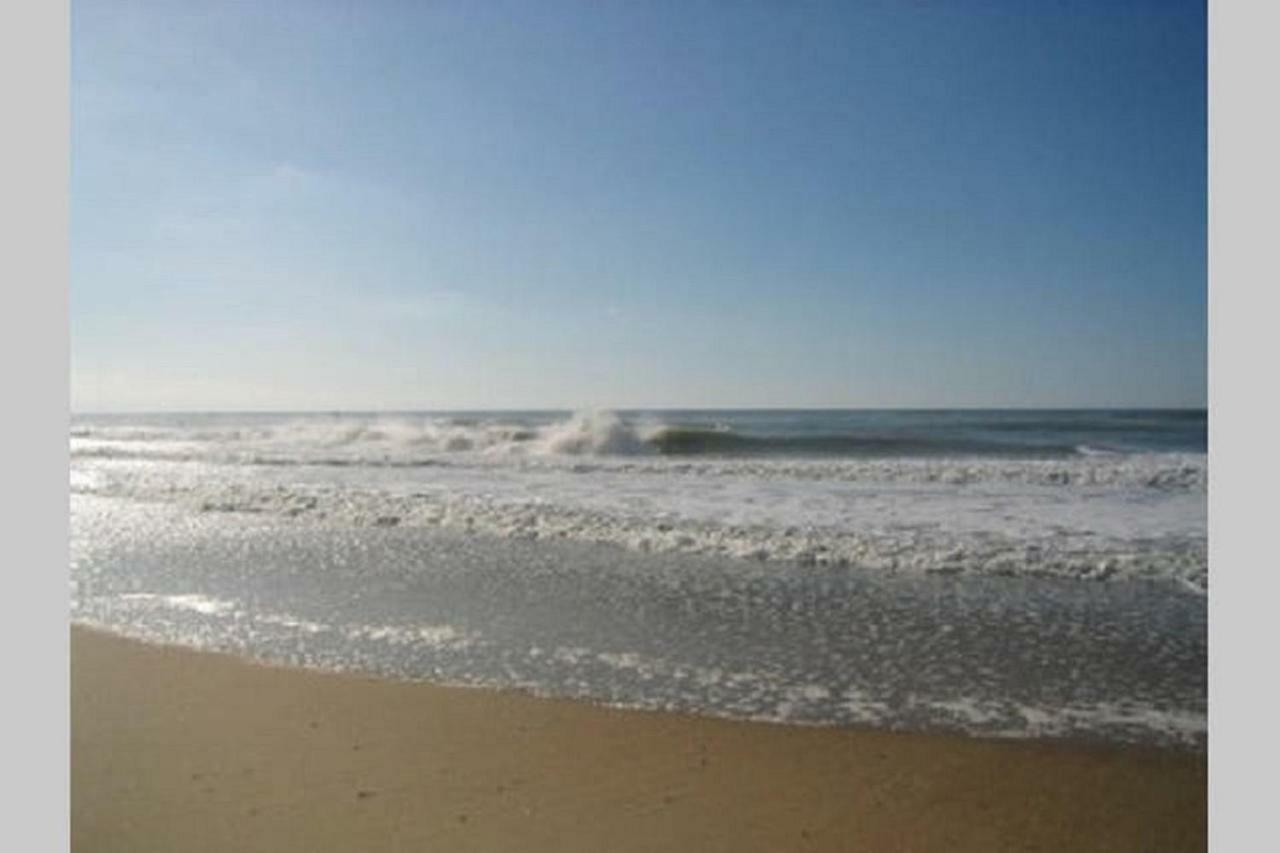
(1017, 573)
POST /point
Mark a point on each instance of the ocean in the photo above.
(1023, 573)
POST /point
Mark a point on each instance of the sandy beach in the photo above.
(177, 750)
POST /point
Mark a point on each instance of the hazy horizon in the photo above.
(310, 207)
(633, 410)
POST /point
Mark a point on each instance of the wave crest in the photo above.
(594, 433)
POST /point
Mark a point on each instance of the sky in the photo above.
(455, 205)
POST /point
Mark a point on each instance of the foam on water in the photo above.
(197, 603)
(1003, 658)
(1135, 517)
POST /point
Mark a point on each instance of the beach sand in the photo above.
(175, 750)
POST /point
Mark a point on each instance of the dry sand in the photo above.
(174, 750)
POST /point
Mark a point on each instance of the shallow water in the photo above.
(818, 643)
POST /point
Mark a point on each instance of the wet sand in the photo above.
(175, 750)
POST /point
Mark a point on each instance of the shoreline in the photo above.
(1189, 746)
(176, 749)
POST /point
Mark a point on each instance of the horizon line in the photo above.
(627, 409)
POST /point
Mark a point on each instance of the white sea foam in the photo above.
(1093, 533)
(307, 626)
(1016, 720)
(197, 603)
(595, 477)
(436, 636)
(1179, 726)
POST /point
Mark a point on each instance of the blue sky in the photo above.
(315, 205)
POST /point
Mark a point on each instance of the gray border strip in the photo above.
(34, 364)
(1243, 587)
